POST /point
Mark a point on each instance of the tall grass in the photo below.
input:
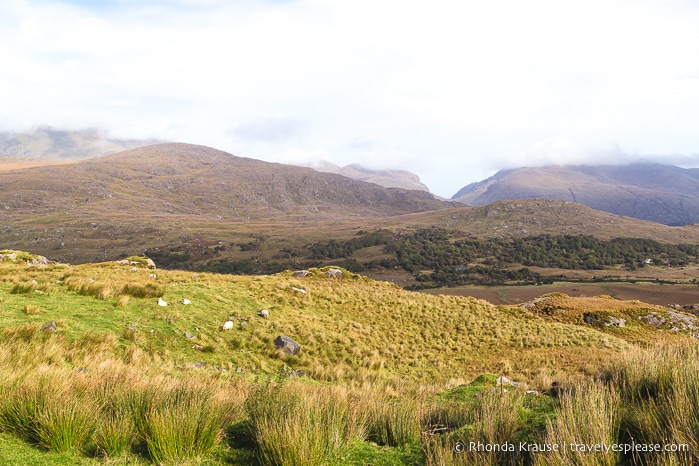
(296, 425)
(660, 391)
(591, 416)
(188, 423)
(495, 422)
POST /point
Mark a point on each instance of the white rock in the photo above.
(162, 302)
(227, 325)
(185, 301)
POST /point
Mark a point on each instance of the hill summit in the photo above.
(659, 193)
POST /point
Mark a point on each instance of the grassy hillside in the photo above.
(124, 377)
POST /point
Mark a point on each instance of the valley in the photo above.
(419, 324)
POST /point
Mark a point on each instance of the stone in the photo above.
(334, 273)
(264, 313)
(300, 273)
(189, 335)
(185, 301)
(50, 327)
(615, 322)
(227, 325)
(162, 302)
(287, 344)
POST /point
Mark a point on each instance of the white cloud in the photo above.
(451, 89)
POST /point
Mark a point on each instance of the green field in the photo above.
(384, 375)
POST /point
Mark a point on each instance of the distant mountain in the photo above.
(47, 143)
(184, 179)
(386, 178)
(186, 198)
(659, 193)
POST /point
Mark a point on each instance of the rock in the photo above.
(189, 335)
(150, 264)
(615, 322)
(153, 276)
(297, 373)
(162, 302)
(185, 301)
(334, 273)
(299, 290)
(556, 390)
(198, 347)
(264, 313)
(653, 319)
(123, 262)
(300, 273)
(50, 327)
(502, 380)
(287, 344)
(197, 365)
(227, 325)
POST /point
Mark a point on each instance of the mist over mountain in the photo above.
(647, 191)
(47, 143)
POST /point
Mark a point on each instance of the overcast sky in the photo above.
(452, 90)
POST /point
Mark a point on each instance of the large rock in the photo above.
(287, 344)
(50, 327)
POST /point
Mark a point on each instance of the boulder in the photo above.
(50, 327)
(334, 273)
(287, 344)
(301, 273)
(227, 325)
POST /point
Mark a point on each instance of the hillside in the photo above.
(659, 193)
(183, 179)
(47, 143)
(119, 362)
(519, 218)
(184, 198)
(386, 178)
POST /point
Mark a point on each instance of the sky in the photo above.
(453, 90)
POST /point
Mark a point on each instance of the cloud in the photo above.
(453, 90)
(274, 130)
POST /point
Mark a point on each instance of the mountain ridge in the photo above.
(660, 193)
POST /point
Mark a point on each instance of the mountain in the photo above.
(386, 178)
(183, 179)
(47, 143)
(655, 192)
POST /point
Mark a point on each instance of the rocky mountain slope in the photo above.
(659, 193)
(184, 179)
(386, 178)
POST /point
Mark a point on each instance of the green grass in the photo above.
(389, 376)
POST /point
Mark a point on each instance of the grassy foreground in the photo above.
(384, 376)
